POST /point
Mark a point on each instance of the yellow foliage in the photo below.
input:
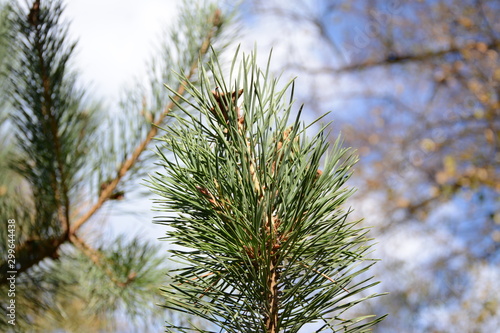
(428, 145)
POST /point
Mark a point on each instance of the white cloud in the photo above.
(116, 38)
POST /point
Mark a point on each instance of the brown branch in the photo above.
(271, 316)
(395, 59)
(30, 253)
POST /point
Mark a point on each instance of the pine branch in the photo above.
(261, 226)
(34, 27)
(98, 259)
(55, 136)
(129, 163)
(39, 84)
(60, 187)
(271, 315)
(31, 252)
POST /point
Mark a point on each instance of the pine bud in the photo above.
(33, 16)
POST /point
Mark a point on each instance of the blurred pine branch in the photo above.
(64, 159)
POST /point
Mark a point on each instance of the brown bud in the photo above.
(33, 16)
(318, 174)
(222, 102)
(118, 195)
(217, 19)
(207, 194)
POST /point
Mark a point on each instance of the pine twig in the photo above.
(70, 229)
(129, 163)
(97, 259)
(60, 193)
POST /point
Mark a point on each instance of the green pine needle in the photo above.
(256, 209)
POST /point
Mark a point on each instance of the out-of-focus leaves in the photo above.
(420, 81)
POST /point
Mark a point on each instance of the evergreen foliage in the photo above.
(64, 159)
(256, 210)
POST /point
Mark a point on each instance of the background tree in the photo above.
(259, 221)
(64, 159)
(423, 80)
